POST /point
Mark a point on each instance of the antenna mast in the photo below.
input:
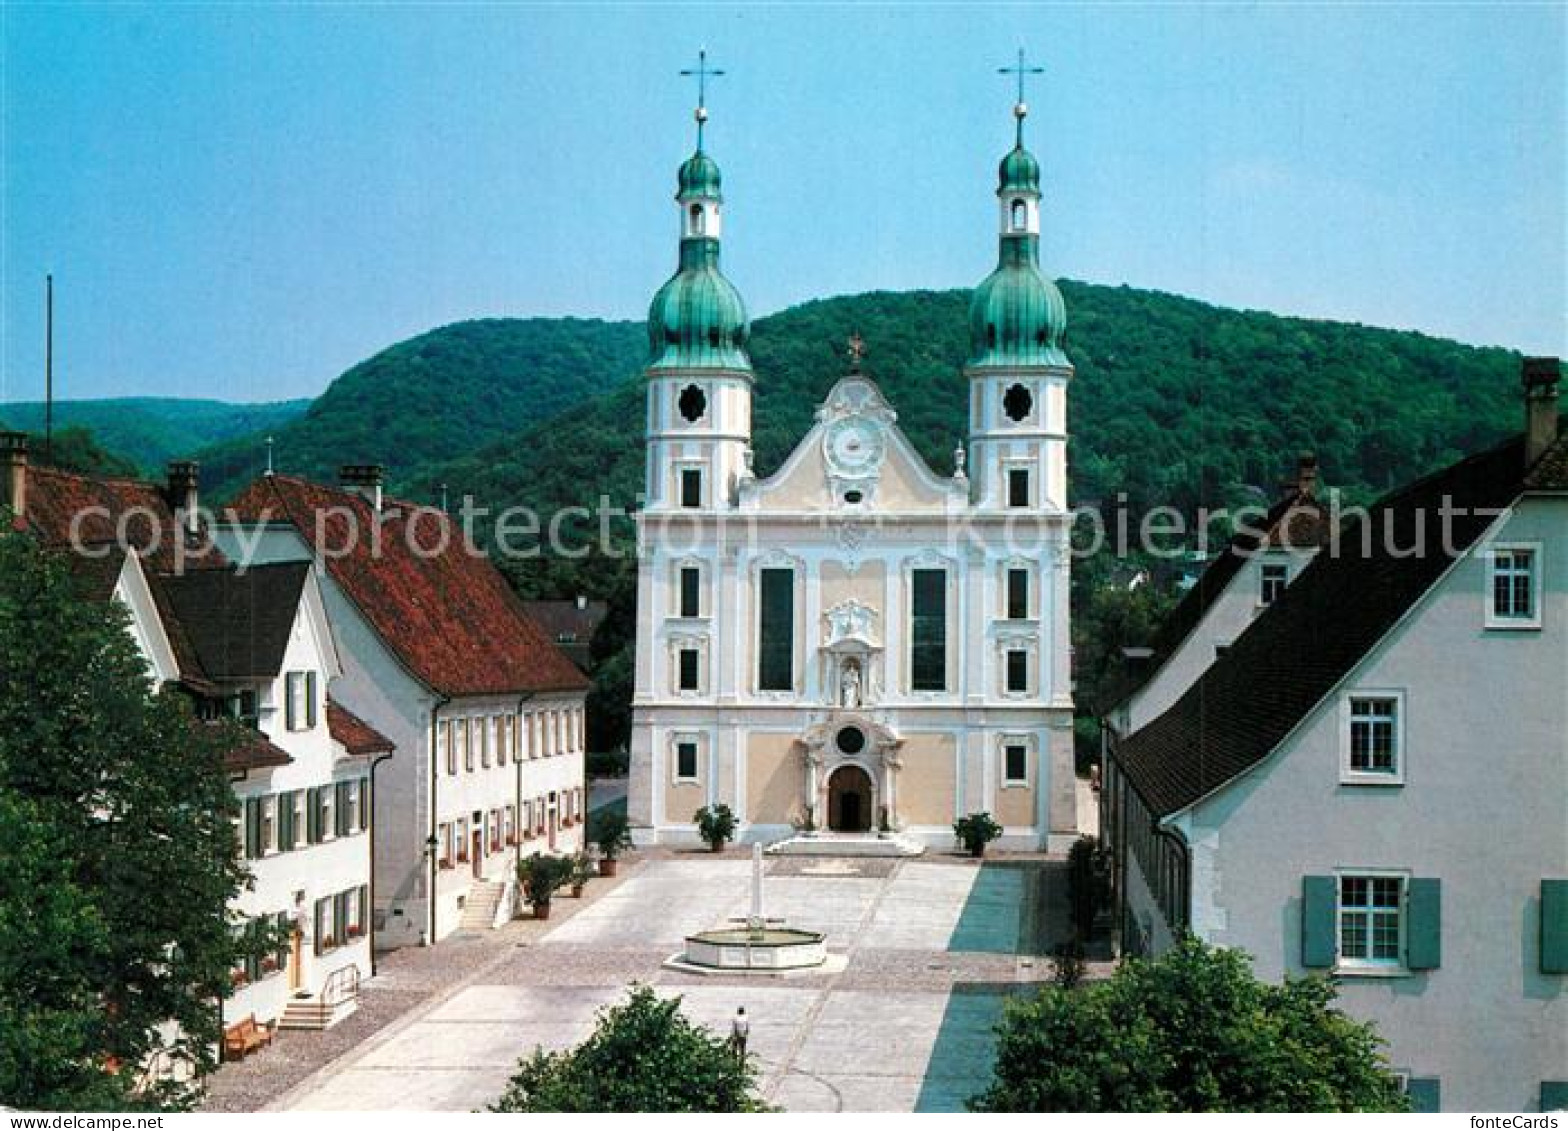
(48, 368)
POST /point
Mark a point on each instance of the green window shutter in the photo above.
(364, 906)
(1424, 935)
(285, 939)
(364, 804)
(321, 923)
(312, 817)
(1554, 1095)
(340, 917)
(287, 834)
(1426, 1093)
(310, 699)
(289, 722)
(1554, 926)
(340, 812)
(252, 828)
(1319, 912)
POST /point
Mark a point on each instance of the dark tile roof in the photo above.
(1297, 521)
(1292, 656)
(353, 733)
(97, 572)
(238, 622)
(447, 614)
(1550, 472)
(254, 751)
(570, 625)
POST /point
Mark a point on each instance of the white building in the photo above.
(438, 655)
(1372, 782)
(855, 641)
(255, 646)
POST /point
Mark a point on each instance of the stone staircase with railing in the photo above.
(337, 1000)
(480, 906)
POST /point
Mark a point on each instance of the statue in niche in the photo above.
(849, 686)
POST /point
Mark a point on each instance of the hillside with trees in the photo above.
(439, 395)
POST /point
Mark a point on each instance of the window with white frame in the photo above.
(686, 759)
(444, 845)
(1015, 762)
(1371, 920)
(1017, 671)
(482, 736)
(299, 700)
(445, 751)
(1272, 579)
(690, 591)
(1372, 739)
(689, 669)
(1017, 593)
(1513, 600)
(465, 739)
(269, 825)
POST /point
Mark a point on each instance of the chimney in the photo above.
(1307, 475)
(13, 446)
(181, 491)
(363, 479)
(1540, 376)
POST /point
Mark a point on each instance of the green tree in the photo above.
(1192, 1031)
(120, 859)
(644, 1055)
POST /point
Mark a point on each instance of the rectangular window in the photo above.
(1370, 920)
(1018, 487)
(928, 630)
(465, 739)
(1374, 735)
(1513, 584)
(444, 844)
(686, 761)
(482, 733)
(1272, 582)
(1017, 671)
(1017, 594)
(445, 750)
(294, 701)
(776, 631)
(343, 803)
(1015, 769)
(323, 925)
(691, 591)
(691, 487)
(325, 820)
(269, 825)
(688, 660)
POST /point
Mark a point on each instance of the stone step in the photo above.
(847, 844)
(311, 1013)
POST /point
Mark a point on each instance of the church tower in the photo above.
(699, 375)
(1017, 371)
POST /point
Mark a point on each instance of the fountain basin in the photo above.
(741, 948)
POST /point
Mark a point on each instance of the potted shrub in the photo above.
(541, 876)
(582, 872)
(611, 834)
(976, 831)
(716, 825)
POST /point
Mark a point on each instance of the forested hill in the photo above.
(438, 395)
(1174, 401)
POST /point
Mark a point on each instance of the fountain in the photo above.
(760, 945)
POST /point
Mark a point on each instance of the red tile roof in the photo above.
(55, 499)
(446, 613)
(252, 751)
(353, 733)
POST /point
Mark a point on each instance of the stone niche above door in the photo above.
(851, 657)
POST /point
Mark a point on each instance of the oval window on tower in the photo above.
(1017, 402)
(693, 403)
(1020, 215)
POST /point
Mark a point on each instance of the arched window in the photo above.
(1020, 215)
(699, 222)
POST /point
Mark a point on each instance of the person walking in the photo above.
(740, 1030)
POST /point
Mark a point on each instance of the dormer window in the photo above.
(1272, 582)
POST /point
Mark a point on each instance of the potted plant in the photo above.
(582, 871)
(611, 834)
(541, 876)
(716, 825)
(976, 831)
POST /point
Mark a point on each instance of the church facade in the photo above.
(855, 643)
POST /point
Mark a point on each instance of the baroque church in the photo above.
(855, 644)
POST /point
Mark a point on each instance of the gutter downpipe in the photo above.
(374, 765)
(430, 842)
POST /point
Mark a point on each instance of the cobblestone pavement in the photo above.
(932, 946)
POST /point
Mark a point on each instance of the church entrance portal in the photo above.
(849, 800)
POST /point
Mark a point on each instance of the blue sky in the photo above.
(240, 201)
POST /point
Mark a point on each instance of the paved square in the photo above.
(933, 948)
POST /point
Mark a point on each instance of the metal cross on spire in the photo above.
(1021, 108)
(702, 73)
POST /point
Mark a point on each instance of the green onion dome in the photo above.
(699, 177)
(1019, 171)
(697, 320)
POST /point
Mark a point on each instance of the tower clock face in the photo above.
(854, 445)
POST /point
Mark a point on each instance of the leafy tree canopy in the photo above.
(118, 850)
(1193, 1031)
(644, 1056)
